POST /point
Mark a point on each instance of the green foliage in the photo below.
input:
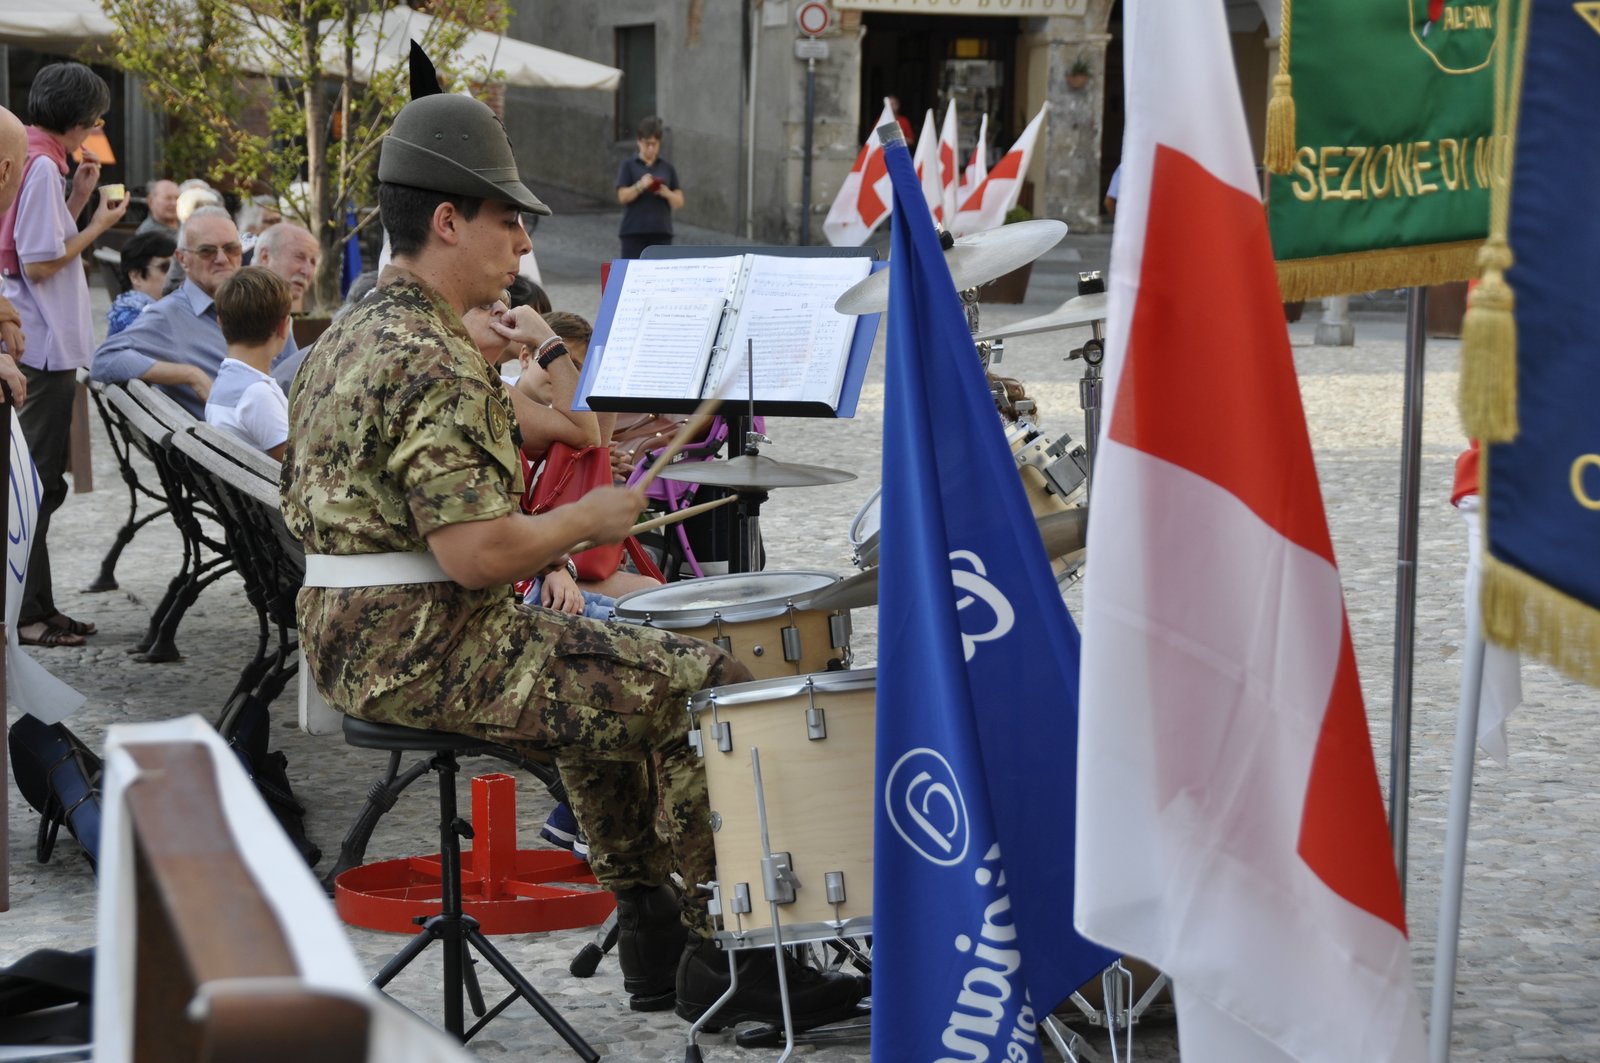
(1017, 213)
(268, 94)
(1080, 66)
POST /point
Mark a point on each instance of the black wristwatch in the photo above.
(557, 349)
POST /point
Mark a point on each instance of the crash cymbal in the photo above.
(972, 260)
(854, 592)
(1063, 534)
(753, 472)
(1080, 310)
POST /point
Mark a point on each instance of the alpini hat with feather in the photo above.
(455, 144)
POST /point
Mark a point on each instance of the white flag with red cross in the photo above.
(863, 200)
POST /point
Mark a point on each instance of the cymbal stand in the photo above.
(744, 537)
(1093, 352)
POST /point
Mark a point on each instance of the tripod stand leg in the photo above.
(486, 949)
(1073, 1049)
(399, 960)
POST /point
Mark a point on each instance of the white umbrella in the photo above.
(383, 40)
(62, 22)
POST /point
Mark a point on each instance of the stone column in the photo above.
(1072, 133)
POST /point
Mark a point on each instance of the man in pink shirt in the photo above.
(41, 248)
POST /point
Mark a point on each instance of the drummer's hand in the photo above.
(522, 324)
(558, 592)
(610, 512)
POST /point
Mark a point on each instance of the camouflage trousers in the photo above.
(616, 720)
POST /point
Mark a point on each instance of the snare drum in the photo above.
(816, 739)
(1054, 473)
(759, 617)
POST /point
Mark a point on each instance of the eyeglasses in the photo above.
(207, 252)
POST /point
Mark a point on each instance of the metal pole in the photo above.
(1405, 589)
(805, 164)
(750, 132)
(1455, 843)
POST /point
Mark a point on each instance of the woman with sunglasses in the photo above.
(40, 251)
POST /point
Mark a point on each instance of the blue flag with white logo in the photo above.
(977, 716)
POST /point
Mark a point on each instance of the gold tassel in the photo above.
(1279, 157)
(1489, 351)
(1528, 615)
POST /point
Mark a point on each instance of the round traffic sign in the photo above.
(812, 18)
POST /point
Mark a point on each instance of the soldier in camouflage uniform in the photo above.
(401, 480)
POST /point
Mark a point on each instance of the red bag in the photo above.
(569, 473)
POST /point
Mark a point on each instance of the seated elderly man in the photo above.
(177, 343)
(290, 251)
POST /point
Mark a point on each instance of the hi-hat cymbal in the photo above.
(1080, 310)
(972, 260)
(753, 472)
(1063, 533)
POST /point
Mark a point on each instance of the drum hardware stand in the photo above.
(1093, 352)
(744, 537)
(1121, 1012)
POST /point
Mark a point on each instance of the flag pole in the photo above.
(1405, 584)
(1455, 842)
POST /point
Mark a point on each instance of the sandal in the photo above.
(49, 637)
(63, 622)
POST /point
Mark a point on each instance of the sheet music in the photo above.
(659, 342)
(801, 342)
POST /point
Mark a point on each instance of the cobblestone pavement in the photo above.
(1531, 938)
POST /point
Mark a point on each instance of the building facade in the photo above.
(725, 77)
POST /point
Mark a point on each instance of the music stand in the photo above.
(743, 551)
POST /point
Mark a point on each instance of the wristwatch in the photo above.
(572, 569)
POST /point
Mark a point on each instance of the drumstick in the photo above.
(695, 424)
(682, 514)
(663, 520)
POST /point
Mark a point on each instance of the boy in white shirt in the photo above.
(253, 310)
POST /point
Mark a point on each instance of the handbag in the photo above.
(569, 473)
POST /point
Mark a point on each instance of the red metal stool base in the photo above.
(506, 889)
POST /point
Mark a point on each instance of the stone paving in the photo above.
(1531, 935)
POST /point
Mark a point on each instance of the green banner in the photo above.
(1393, 147)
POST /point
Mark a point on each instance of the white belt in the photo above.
(372, 570)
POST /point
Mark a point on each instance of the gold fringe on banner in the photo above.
(1279, 157)
(1488, 398)
(1365, 271)
(1526, 614)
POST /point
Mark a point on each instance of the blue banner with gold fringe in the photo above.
(1541, 587)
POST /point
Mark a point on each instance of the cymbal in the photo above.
(753, 472)
(972, 260)
(853, 592)
(1080, 310)
(1063, 534)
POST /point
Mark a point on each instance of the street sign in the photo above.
(812, 18)
(810, 48)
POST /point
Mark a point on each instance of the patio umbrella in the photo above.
(383, 40)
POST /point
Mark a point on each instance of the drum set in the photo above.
(789, 757)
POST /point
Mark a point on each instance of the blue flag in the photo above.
(350, 264)
(1541, 581)
(977, 716)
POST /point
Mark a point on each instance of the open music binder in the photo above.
(666, 328)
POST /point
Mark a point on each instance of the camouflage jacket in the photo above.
(398, 426)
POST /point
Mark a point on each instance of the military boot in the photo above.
(650, 938)
(815, 997)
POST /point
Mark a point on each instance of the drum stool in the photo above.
(451, 927)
